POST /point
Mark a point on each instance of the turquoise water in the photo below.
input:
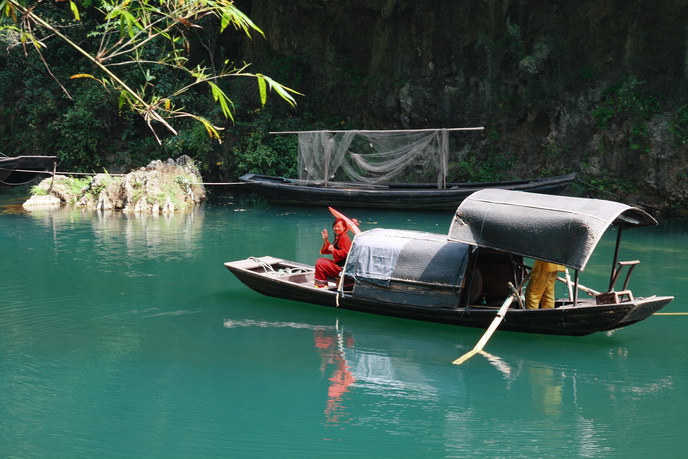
(125, 336)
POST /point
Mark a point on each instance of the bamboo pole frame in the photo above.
(480, 128)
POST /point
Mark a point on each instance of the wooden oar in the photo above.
(493, 326)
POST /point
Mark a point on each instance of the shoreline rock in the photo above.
(160, 187)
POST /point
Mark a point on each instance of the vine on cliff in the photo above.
(625, 101)
(679, 125)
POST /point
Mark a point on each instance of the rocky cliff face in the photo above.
(599, 87)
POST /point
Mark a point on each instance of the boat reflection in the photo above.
(374, 374)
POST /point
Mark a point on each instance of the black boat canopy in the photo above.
(558, 229)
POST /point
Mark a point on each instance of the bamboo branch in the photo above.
(150, 110)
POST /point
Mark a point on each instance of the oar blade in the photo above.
(493, 326)
(465, 357)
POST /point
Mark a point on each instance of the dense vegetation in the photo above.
(51, 104)
(596, 88)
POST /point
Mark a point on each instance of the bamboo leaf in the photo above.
(212, 130)
(281, 90)
(222, 99)
(262, 89)
(84, 75)
(75, 10)
(122, 100)
(231, 15)
(12, 28)
(36, 43)
(9, 10)
(149, 35)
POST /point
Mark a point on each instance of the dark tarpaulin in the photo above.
(381, 255)
(558, 229)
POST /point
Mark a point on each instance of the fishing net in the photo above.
(374, 156)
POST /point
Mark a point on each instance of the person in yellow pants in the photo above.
(540, 289)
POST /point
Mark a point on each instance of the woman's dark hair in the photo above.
(343, 222)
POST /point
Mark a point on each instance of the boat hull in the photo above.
(399, 196)
(20, 170)
(7, 165)
(583, 319)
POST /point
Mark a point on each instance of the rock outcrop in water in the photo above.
(159, 187)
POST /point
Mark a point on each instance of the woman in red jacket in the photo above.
(339, 249)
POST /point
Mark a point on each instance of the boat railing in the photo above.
(617, 272)
(614, 296)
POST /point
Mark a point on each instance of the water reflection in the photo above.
(562, 395)
(145, 236)
(331, 345)
(111, 349)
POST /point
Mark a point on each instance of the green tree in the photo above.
(149, 39)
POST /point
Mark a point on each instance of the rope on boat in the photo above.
(53, 173)
(279, 272)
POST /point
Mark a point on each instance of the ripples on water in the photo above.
(125, 336)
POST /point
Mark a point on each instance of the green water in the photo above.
(125, 336)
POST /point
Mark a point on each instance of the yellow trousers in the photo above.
(540, 289)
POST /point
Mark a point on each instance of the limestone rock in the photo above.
(165, 187)
(41, 202)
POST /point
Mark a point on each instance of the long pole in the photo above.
(493, 326)
(616, 257)
(383, 130)
(570, 284)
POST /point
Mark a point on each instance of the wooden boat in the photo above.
(20, 170)
(463, 278)
(379, 169)
(388, 195)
